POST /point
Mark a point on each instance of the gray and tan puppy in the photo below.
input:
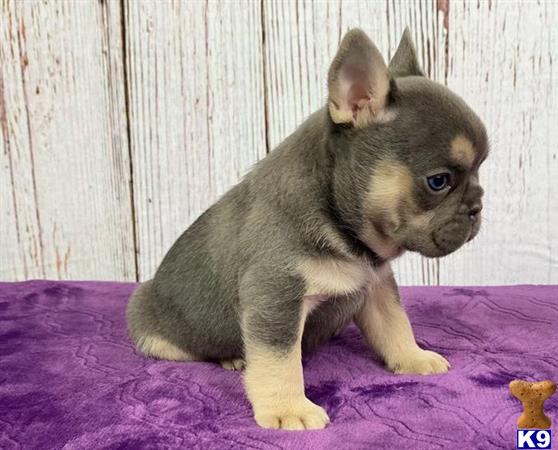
(302, 246)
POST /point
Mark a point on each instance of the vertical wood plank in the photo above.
(20, 247)
(64, 142)
(300, 40)
(196, 111)
(503, 58)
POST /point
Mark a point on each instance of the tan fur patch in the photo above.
(338, 114)
(334, 276)
(160, 348)
(463, 151)
(275, 387)
(383, 245)
(391, 186)
(422, 221)
(387, 329)
(381, 318)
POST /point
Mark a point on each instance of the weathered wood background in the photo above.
(121, 121)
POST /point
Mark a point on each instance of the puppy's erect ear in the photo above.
(358, 81)
(405, 63)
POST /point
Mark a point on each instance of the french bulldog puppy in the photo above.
(302, 245)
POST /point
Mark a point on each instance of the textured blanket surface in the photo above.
(70, 378)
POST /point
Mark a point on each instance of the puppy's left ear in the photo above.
(358, 81)
(405, 62)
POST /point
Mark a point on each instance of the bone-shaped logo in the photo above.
(533, 395)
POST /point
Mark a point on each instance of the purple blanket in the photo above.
(69, 377)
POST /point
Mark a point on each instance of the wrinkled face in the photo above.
(407, 152)
(424, 192)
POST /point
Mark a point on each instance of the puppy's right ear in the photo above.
(358, 81)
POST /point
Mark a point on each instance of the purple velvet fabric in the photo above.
(69, 377)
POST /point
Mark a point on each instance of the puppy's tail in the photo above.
(139, 315)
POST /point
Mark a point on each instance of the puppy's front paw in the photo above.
(422, 362)
(297, 415)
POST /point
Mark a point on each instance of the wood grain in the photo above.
(503, 61)
(296, 62)
(20, 246)
(197, 114)
(64, 146)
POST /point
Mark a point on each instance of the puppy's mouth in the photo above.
(443, 249)
(454, 234)
(444, 239)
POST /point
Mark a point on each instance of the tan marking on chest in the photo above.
(331, 276)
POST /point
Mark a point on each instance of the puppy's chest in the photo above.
(327, 316)
(335, 291)
(328, 278)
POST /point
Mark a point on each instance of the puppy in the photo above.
(303, 244)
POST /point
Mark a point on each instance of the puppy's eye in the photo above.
(439, 181)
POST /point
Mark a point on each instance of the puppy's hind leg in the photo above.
(159, 348)
(143, 328)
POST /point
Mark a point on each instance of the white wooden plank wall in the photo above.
(121, 121)
(66, 210)
(504, 61)
(197, 114)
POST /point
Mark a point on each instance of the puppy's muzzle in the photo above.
(475, 218)
(453, 234)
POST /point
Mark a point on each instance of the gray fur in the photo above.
(231, 276)
(405, 62)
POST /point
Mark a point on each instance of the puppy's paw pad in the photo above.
(232, 364)
(304, 416)
(423, 362)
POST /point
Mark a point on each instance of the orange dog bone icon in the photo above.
(533, 395)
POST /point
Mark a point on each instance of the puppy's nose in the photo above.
(475, 211)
